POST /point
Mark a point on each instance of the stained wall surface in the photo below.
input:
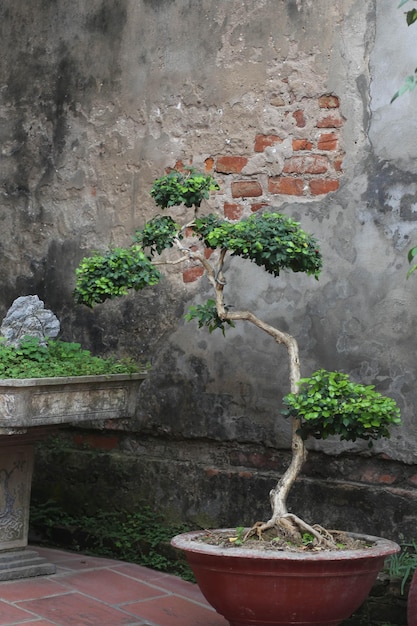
(286, 103)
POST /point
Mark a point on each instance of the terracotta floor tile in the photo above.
(139, 572)
(11, 615)
(74, 609)
(172, 584)
(111, 587)
(30, 588)
(74, 560)
(41, 622)
(175, 611)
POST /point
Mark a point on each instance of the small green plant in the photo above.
(403, 564)
(307, 539)
(58, 358)
(239, 538)
(329, 403)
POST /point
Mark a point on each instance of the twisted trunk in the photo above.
(278, 496)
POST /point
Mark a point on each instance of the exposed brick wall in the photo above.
(303, 160)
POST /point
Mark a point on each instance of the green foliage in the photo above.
(206, 315)
(239, 538)
(110, 275)
(58, 358)
(409, 85)
(411, 81)
(329, 403)
(270, 240)
(189, 187)
(411, 256)
(141, 537)
(411, 16)
(158, 234)
(403, 564)
(307, 539)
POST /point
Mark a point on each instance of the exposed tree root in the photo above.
(292, 528)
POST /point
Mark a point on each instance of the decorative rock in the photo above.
(28, 317)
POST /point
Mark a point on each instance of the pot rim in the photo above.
(381, 547)
(62, 380)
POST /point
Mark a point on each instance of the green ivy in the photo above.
(58, 358)
(189, 187)
(141, 536)
(270, 240)
(110, 275)
(206, 315)
(329, 403)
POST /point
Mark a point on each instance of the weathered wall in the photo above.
(286, 103)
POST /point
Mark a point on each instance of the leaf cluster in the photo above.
(329, 403)
(105, 276)
(58, 358)
(189, 187)
(158, 234)
(271, 240)
(206, 315)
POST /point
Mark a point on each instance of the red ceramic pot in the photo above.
(271, 588)
(412, 602)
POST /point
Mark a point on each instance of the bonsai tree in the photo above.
(327, 403)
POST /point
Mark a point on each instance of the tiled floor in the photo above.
(90, 591)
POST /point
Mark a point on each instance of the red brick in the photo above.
(311, 164)
(329, 102)
(327, 141)
(243, 474)
(212, 471)
(286, 185)
(209, 164)
(191, 274)
(246, 188)
(374, 476)
(230, 164)
(299, 118)
(265, 141)
(338, 163)
(301, 144)
(258, 205)
(208, 252)
(179, 165)
(330, 121)
(233, 211)
(99, 442)
(322, 186)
